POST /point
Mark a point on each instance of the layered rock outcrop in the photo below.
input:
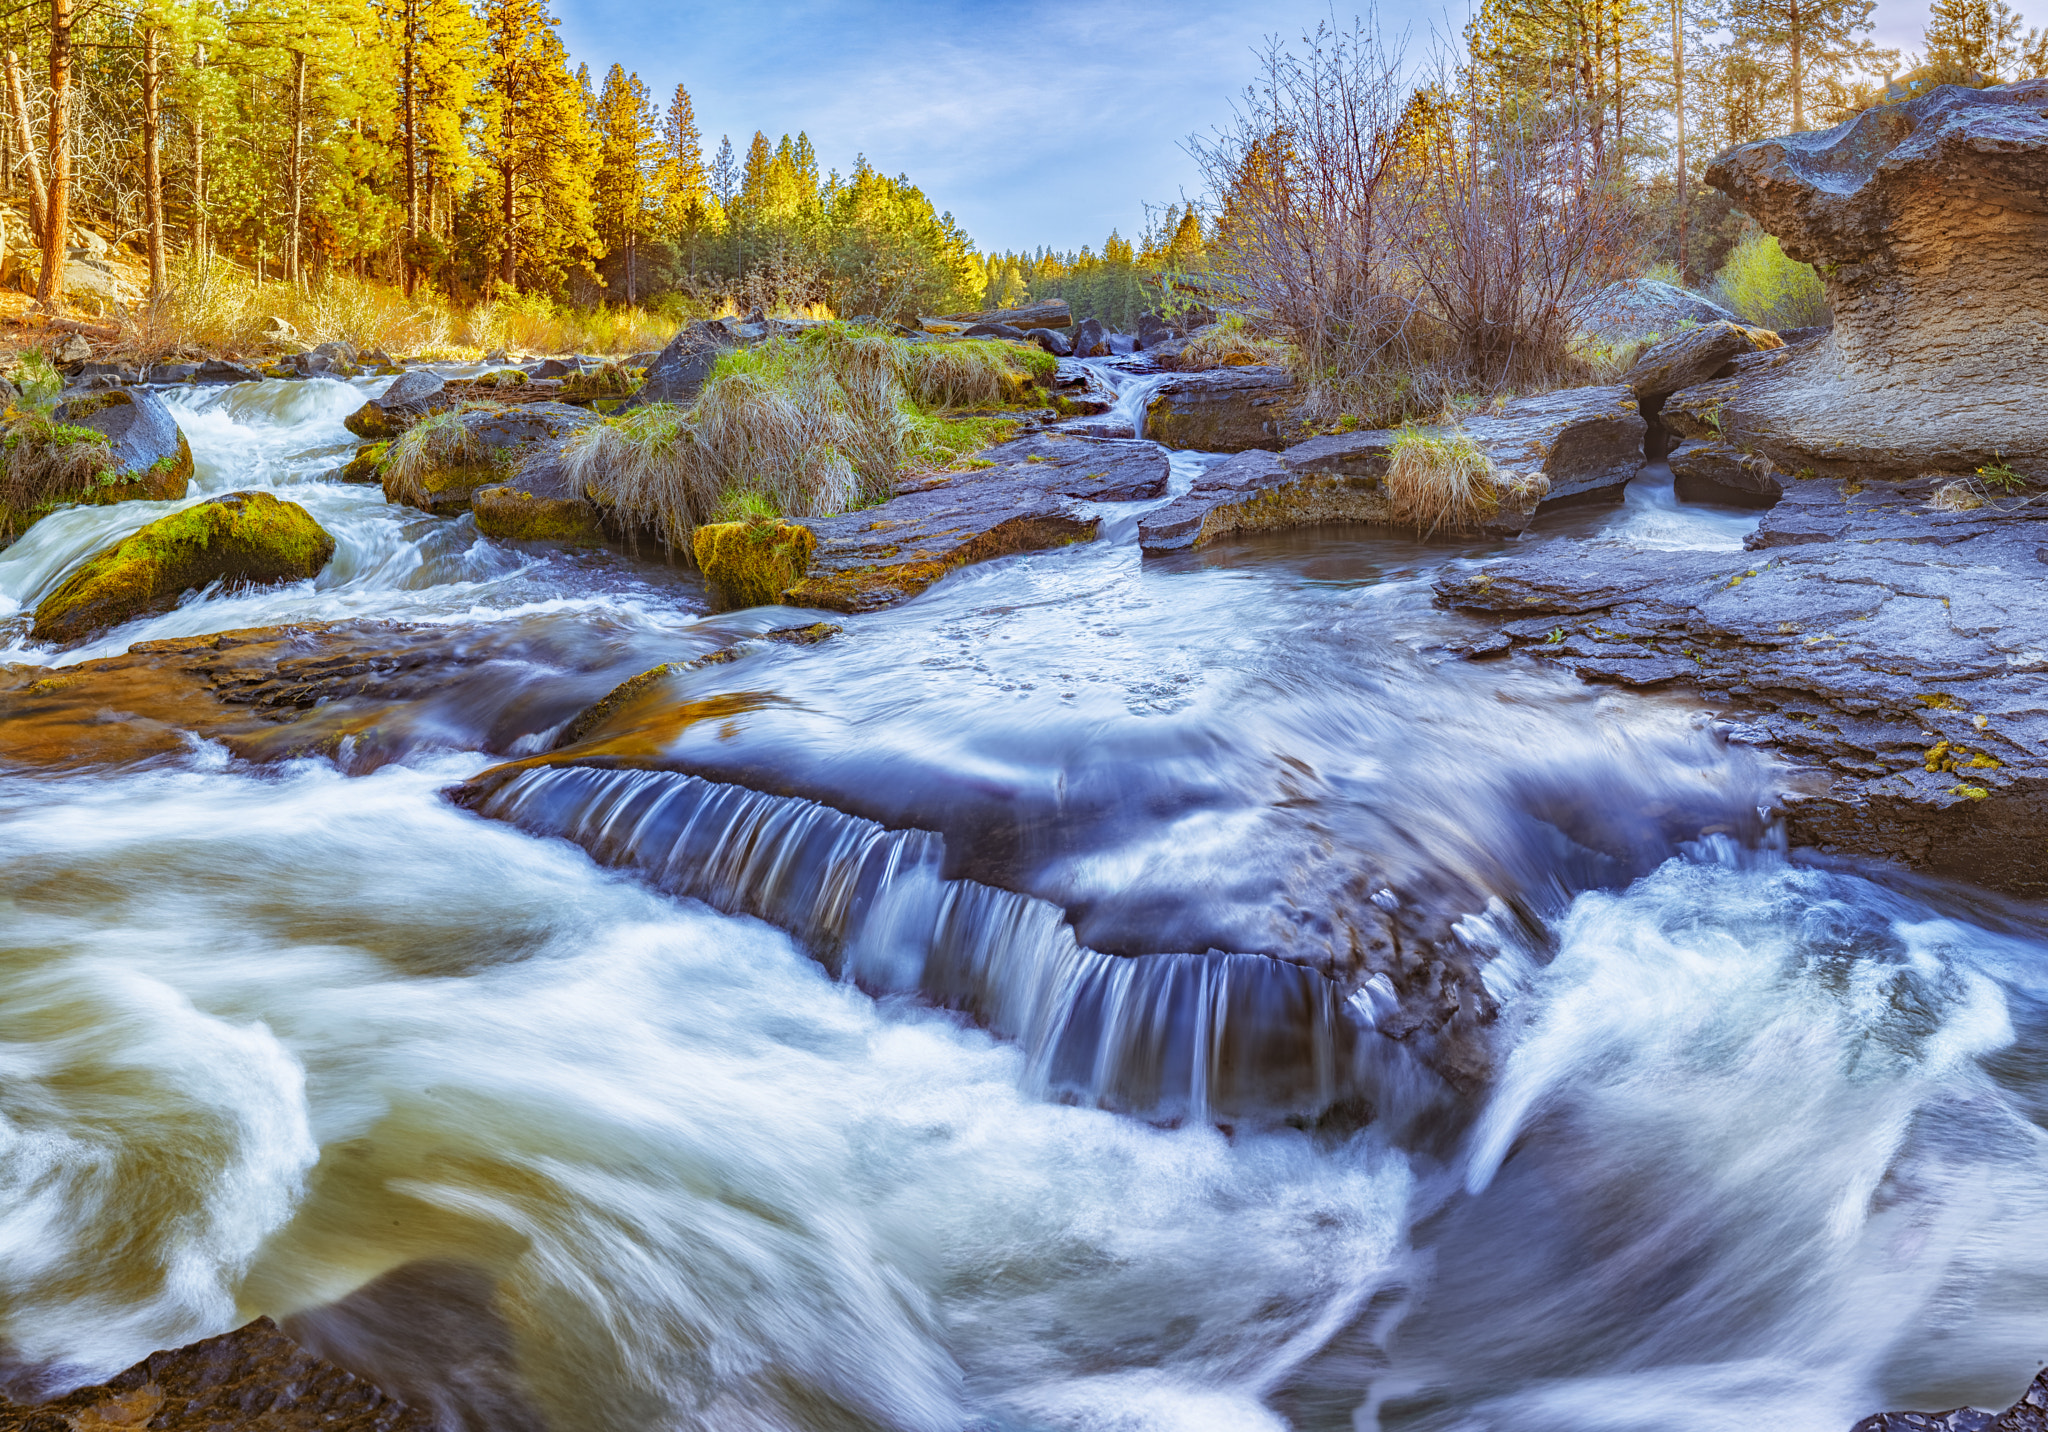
(1928, 223)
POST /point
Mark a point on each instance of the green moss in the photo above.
(367, 464)
(751, 563)
(511, 514)
(245, 538)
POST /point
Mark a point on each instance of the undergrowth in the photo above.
(1231, 343)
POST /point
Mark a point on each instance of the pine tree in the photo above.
(684, 186)
(439, 52)
(1814, 39)
(536, 147)
(1982, 38)
(629, 148)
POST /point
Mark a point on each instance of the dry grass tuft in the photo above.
(1230, 343)
(1442, 483)
(1958, 496)
(436, 443)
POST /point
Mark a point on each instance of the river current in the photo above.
(553, 1141)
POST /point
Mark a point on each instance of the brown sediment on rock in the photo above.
(1928, 224)
(253, 1377)
(1894, 652)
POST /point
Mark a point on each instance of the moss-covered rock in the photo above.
(112, 446)
(445, 458)
(510, 512)
(367, 465)
(751, 563)
(244, 538)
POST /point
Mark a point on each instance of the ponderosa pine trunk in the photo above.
(412, 148)
(152, 168)
(17, 102)
(199, 166)
(298, 176)
(57, 216)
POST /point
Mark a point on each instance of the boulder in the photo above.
(995, 330)
(51, 464)
(439, 465)
(1053, 313)
(1694, 356)
(680, 371)
(1029, 499)
(243, 539)
(411, 396)
(1090, 340)
(1634, 309)
(253, 1377)
(363, 467)
(1052, 342)
(1928, 223)
(1225, 410)
(219, 370)
(72, 352)
(2029, 1414)
(1152, 331)
(538, 504)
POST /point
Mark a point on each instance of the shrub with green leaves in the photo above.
(1765, 287)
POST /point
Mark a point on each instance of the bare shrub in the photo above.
(1409, 248)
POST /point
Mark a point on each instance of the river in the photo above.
(566, 1134)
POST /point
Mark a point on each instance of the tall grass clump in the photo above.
(1441, 482)
(437, 443)
(803, 426)
(1769, 289)
(1230, 342)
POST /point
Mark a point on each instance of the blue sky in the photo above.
(1049, 122)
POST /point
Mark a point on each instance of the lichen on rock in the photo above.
(244, 539)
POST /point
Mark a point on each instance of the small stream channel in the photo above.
(562, 1134)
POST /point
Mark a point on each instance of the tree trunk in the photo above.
(412, 148)
(298, 176)
(199, 167)
(17, 101)
(1678, 81)
(152, 169)
(57, 216)
(509, 265)
(1798, 76)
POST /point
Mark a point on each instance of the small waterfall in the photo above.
(1177, 1036)
(1127, 392)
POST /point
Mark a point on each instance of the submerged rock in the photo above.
(1225, 410)
(1025, 501)
(254, 1377)
(1928, 224)
(244, 538)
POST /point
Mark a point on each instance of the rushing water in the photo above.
(859, 1104)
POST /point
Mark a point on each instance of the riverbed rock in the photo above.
(679, 373)
(1928, 223)
(1152, 331)
(1893, 649)
(1694, 356)
(1586, 443)
(411, 396)
(1225, 410)
(538, 504)
(1051, 341)
(1028, 500)
(1090, 339)
(365, 465)
(2029, 1414)
(438, 467)
(254, 1377)
(1721, 472)
(145, 438)
(242, 539)
(750, 564)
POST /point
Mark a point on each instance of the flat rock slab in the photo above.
(2029, 1414)
(1586, 443)
(1897, 652)
(253, 1377)
(1032, 498)
(1225, 410)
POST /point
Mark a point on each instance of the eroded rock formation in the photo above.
(1928, 222)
